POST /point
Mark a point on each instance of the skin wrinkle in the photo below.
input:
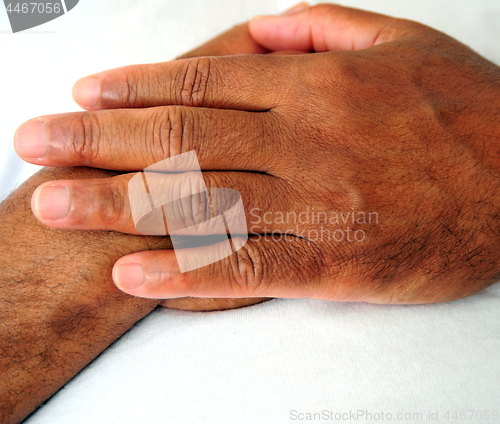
(162, 134)
(390, 124)
(202, 86)
(130, 94)
(68, 315)
(193, 89)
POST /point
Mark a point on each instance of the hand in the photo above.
(387, 145)
(236, 40)
(56, 286)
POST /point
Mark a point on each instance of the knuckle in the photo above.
(345, 78)
(345, 67)
(187, 207)
(169, 133)
(409, 27)
(247, 269)
(193, 81)
(85, 138)
(193, 206)
(113, 208)
(324, 9)
(332, 70)
(130, 88)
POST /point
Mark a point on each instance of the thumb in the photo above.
(327, 27)
(236, 40)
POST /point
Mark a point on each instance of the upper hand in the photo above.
(393, 119)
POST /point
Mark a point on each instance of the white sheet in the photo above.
(257, 364)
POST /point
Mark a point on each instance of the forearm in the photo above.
(58, 305)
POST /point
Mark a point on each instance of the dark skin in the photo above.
(418, 145)
(59, 308)
(388, 117)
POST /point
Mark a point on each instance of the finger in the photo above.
(187, 205)
(225, 82)
(297, 7)
(236, 40)
(131, 140)
(284, 267)
(328, 27)
(96, 91)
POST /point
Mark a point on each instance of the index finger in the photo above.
(242, 82)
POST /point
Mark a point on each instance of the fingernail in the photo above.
(297, 8)
(128, 276)
(51, 202)
(87, 91)
(30, 140)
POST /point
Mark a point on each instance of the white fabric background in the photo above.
(256, 364)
